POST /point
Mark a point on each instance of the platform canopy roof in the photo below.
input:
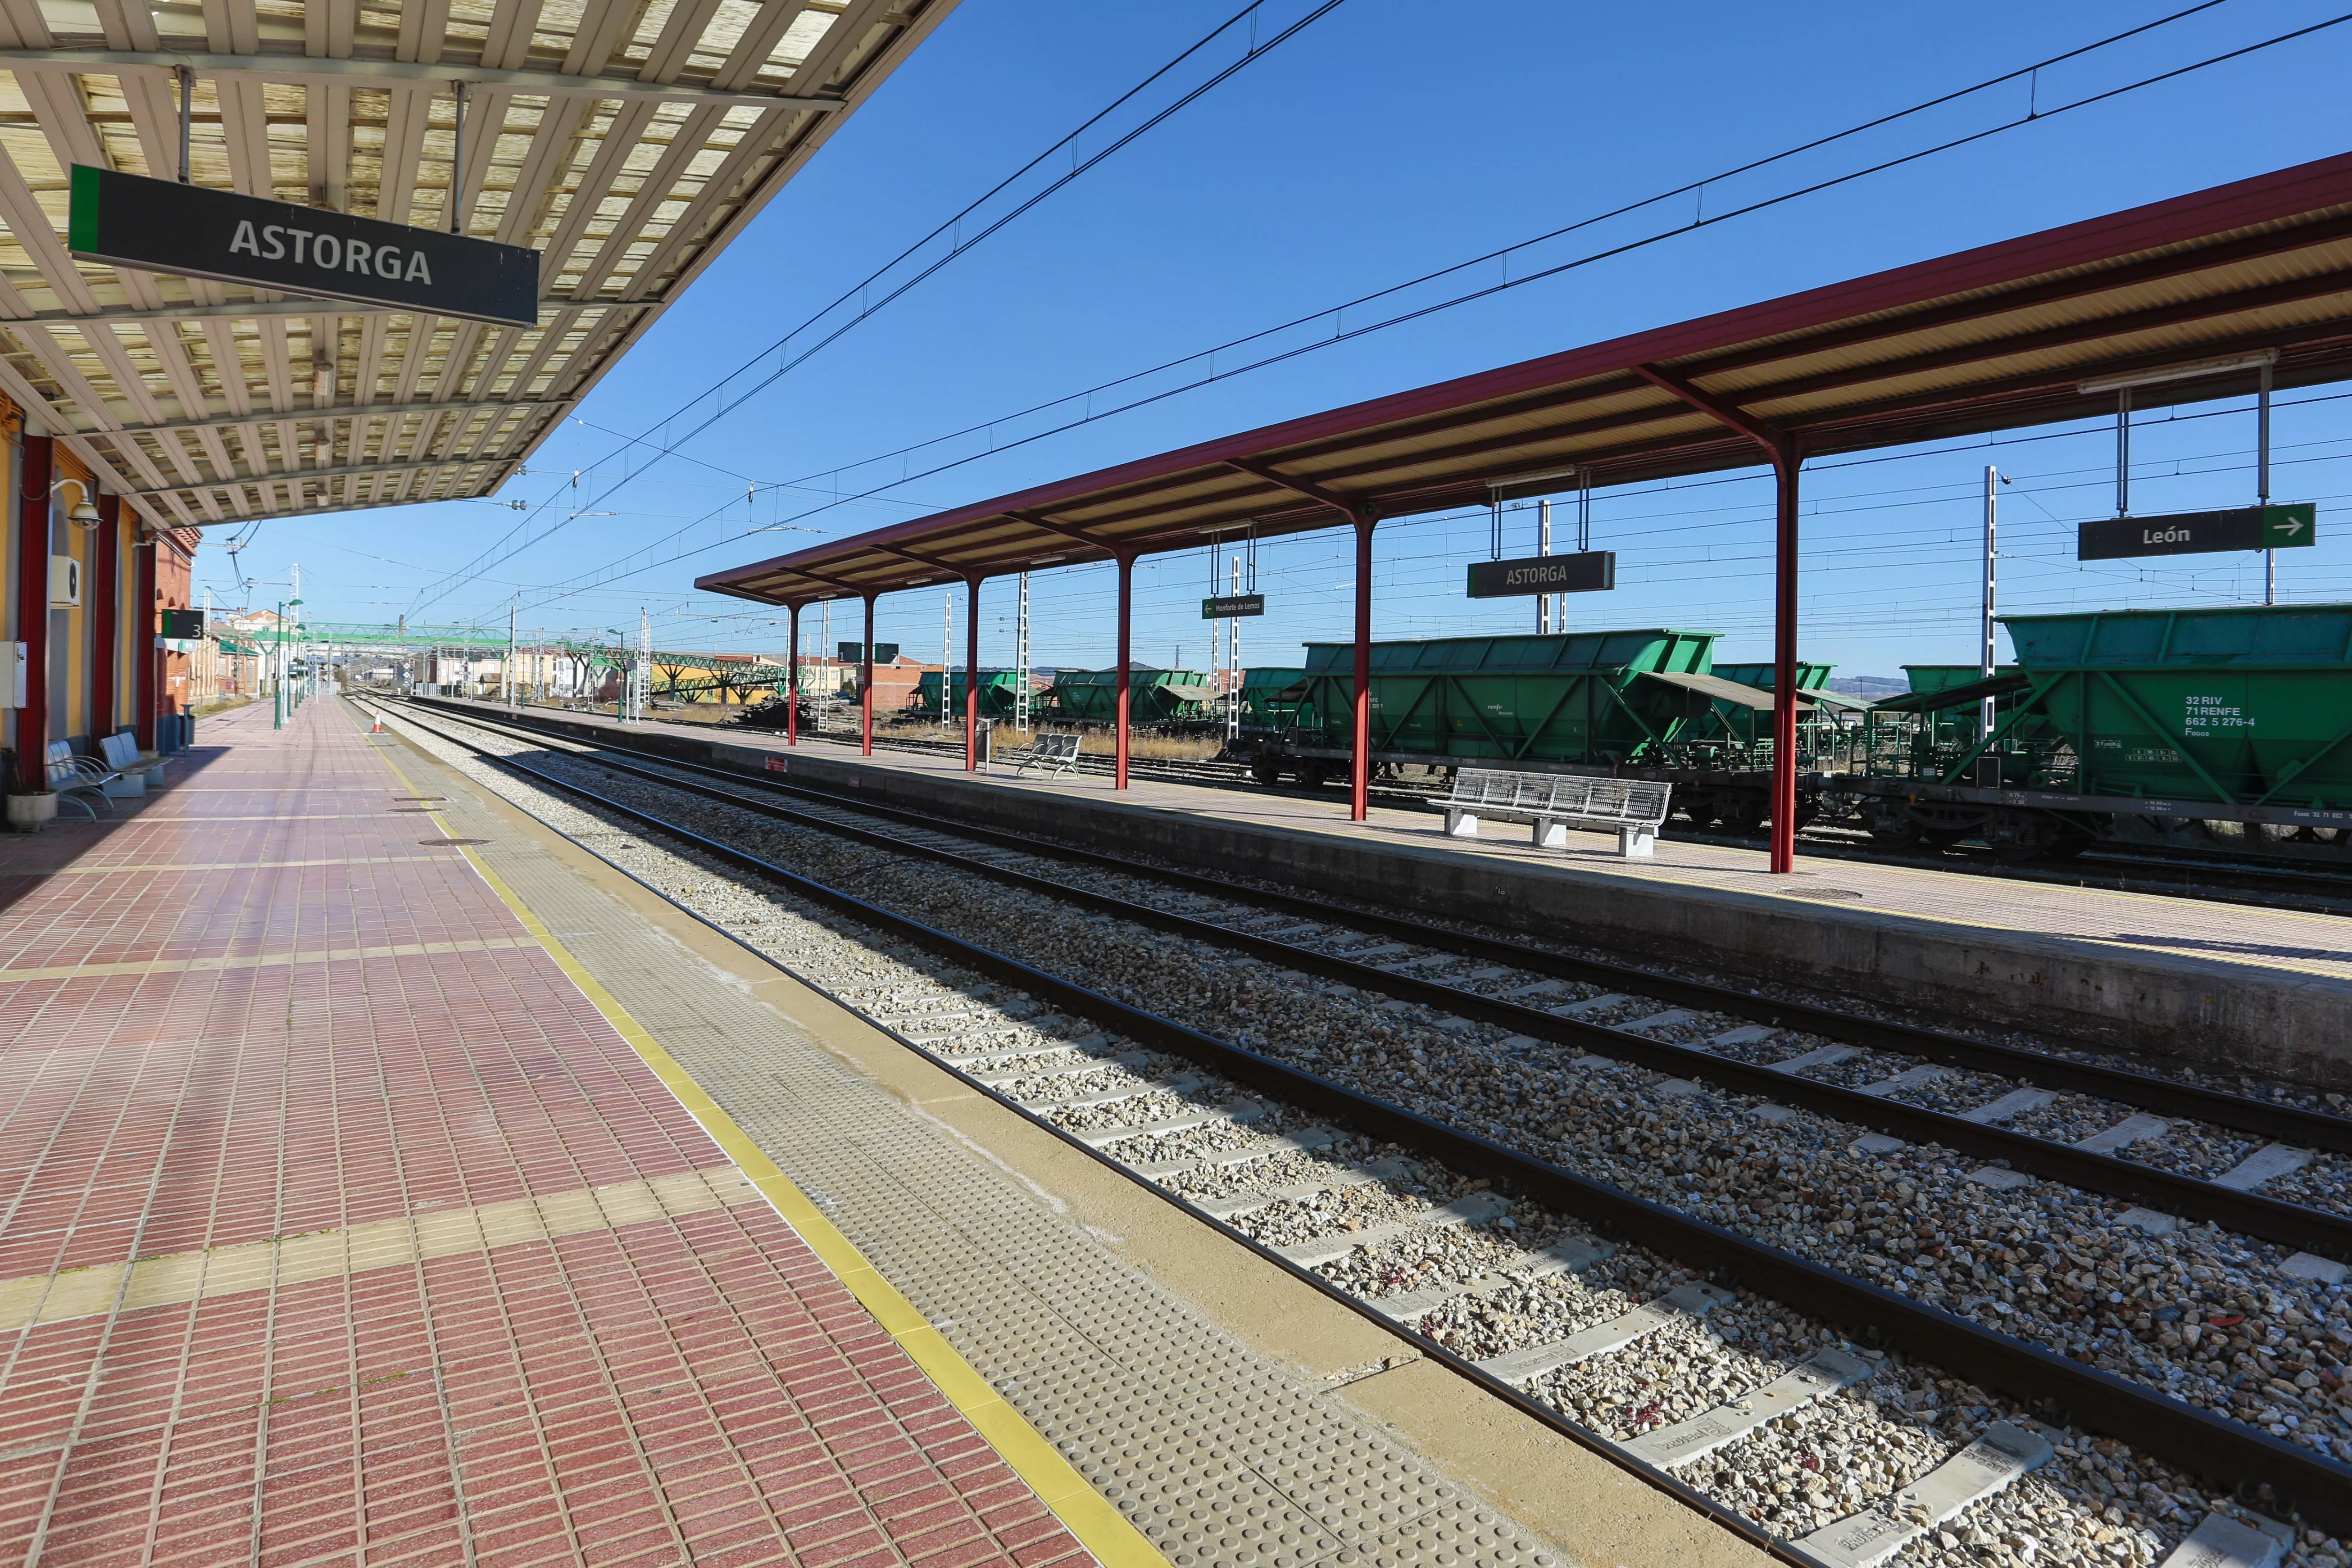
(2018, 334)
(628, 142)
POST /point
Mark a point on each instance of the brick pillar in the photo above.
(106, 614)
(33, 614)
(146, 659)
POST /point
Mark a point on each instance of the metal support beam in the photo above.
(1360, 749)
(1125, 624)
(1065, 529)
(792, 681)
(971, 673)
(1784, 668)
(284, 476)
(1359, 755)
(252, 309)
(342, 410)
(392, 74)
(865, 682)
(1782, 450)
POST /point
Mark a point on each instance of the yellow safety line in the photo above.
(1101, 1528)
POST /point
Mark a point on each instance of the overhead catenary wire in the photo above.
(862, 290)
(1208, 359)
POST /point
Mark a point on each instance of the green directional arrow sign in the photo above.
(2286, 525)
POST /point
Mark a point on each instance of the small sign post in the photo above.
(2199, 533)
(1585, 572)
(193, 231)
(1233, 606)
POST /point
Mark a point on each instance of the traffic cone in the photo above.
(378, 727)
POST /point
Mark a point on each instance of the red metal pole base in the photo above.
(970, 676)
(866, 684)
(1359, 762)
(1786, 464)
(1125, 624)
(792, 686)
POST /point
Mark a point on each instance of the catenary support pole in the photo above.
(1985, 647)
(33, 611)
(793, 682)
(1125, 624)
(1360, 751)
(106, 616)
(2262, 480)
(2123, 453)
(866, 684)
(1786, 464)
(971, 673)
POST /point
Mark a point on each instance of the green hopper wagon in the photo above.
(1154, 696)
(1270, 696)
(1575, 699)
(997, 688)
(2244, 706)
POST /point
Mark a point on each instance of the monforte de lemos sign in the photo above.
(160, 225)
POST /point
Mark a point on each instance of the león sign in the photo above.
(2195, 533)
(190, 231)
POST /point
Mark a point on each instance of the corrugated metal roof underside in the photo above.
(1991, 339)
(211, 402)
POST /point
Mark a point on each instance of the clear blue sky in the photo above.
(1384, 142)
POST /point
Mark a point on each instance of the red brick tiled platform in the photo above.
(431, 1268)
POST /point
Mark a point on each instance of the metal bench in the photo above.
(1055, 753)
(132, 771)
(1554, 802)
(73, 777)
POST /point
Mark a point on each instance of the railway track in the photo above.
(2120, 867)
(1127, 1103)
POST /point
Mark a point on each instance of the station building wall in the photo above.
(99, 668)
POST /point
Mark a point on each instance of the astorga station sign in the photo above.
(1584, 571)
(160, 225)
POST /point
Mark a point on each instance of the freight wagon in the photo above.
(997, 689)
(2224, 728)
(1641, 704)
(1153, 696)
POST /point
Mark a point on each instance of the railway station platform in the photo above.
(389, 1180)
(2229, 986)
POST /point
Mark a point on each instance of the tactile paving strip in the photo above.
(1217, 1454)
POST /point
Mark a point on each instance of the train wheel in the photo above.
(1942, 838)
(1264, 770)
(1741, 811)
(1890, 826)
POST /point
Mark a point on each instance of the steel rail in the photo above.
(2289, 1123)
(2248, 1213)
(2228, 1453)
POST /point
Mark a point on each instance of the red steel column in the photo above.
(971, 674)
(106, 613)
(1786, 464)
(1126, 624)
(865, 682)
(146, 659)
(792, 684)
(1359, 763)
(33, 614)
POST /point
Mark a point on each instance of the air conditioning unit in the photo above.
(65, 583)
